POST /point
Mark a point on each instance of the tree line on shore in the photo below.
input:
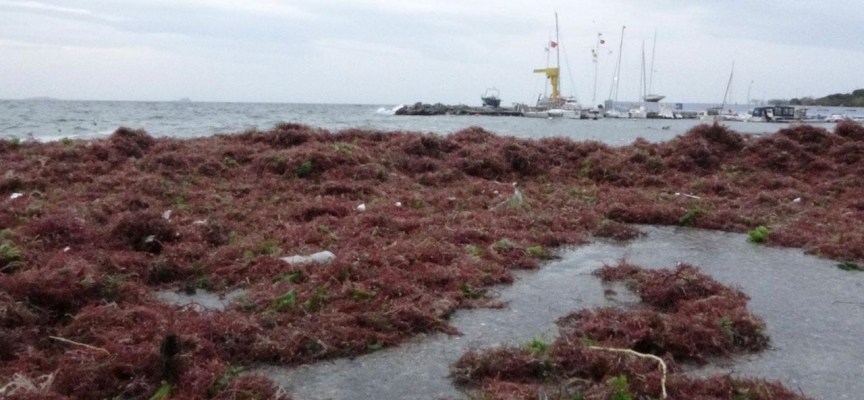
(854, 99)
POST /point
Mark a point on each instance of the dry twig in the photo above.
(638, 354)
(60, 339)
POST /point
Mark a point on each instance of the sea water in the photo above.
(812, 309)
(55, 120)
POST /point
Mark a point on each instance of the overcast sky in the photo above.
(402, 51)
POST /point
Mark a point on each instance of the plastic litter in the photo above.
(797, 200)
(167, 215)
(15, 196)
(398, 204)
(688, 195)
(361, 207)
(323, 257)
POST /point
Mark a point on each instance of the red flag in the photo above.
(553, 44)
(602, 41)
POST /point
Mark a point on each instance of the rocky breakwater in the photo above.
(420, 108)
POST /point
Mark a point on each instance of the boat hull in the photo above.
(544, 114)
(491, 101)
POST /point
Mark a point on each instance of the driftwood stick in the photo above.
(60, 339)
(638, 354)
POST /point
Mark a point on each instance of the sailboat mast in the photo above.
(644, 81)
(558, 44)
(728, 85)
(618, 66)
(653, 53)
(596, 70)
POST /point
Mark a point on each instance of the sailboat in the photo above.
(612, 103)
(640, 112)
(595, 111)
(714, 113)
(554, 105)
(649, 97)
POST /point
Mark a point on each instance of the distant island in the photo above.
(854, 99)
(185, 100)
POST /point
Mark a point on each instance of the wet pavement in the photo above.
(814, 312)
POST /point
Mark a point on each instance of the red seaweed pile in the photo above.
(689, 317)
(89, 229)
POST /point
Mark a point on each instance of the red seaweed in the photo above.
(238, 202)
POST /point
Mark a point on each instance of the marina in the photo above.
(652, 110)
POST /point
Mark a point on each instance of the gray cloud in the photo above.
(388, 51)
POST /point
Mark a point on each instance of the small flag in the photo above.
(553, 44)
(602, 41)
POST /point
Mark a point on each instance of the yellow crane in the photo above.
(552, 74)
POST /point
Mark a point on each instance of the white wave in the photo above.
(392, 111)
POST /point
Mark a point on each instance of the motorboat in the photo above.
(491, 98)
(711, 115)
(550, 113)
(637, 113)
(613, 113)
(777, 114)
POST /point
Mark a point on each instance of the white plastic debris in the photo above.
(15, 196)
(398, 204)
(66, 249)
(451, 198)
(167, 215)
(324, 257)
(361, 207)
(200, 222)
(688, 195)
(797, 200)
